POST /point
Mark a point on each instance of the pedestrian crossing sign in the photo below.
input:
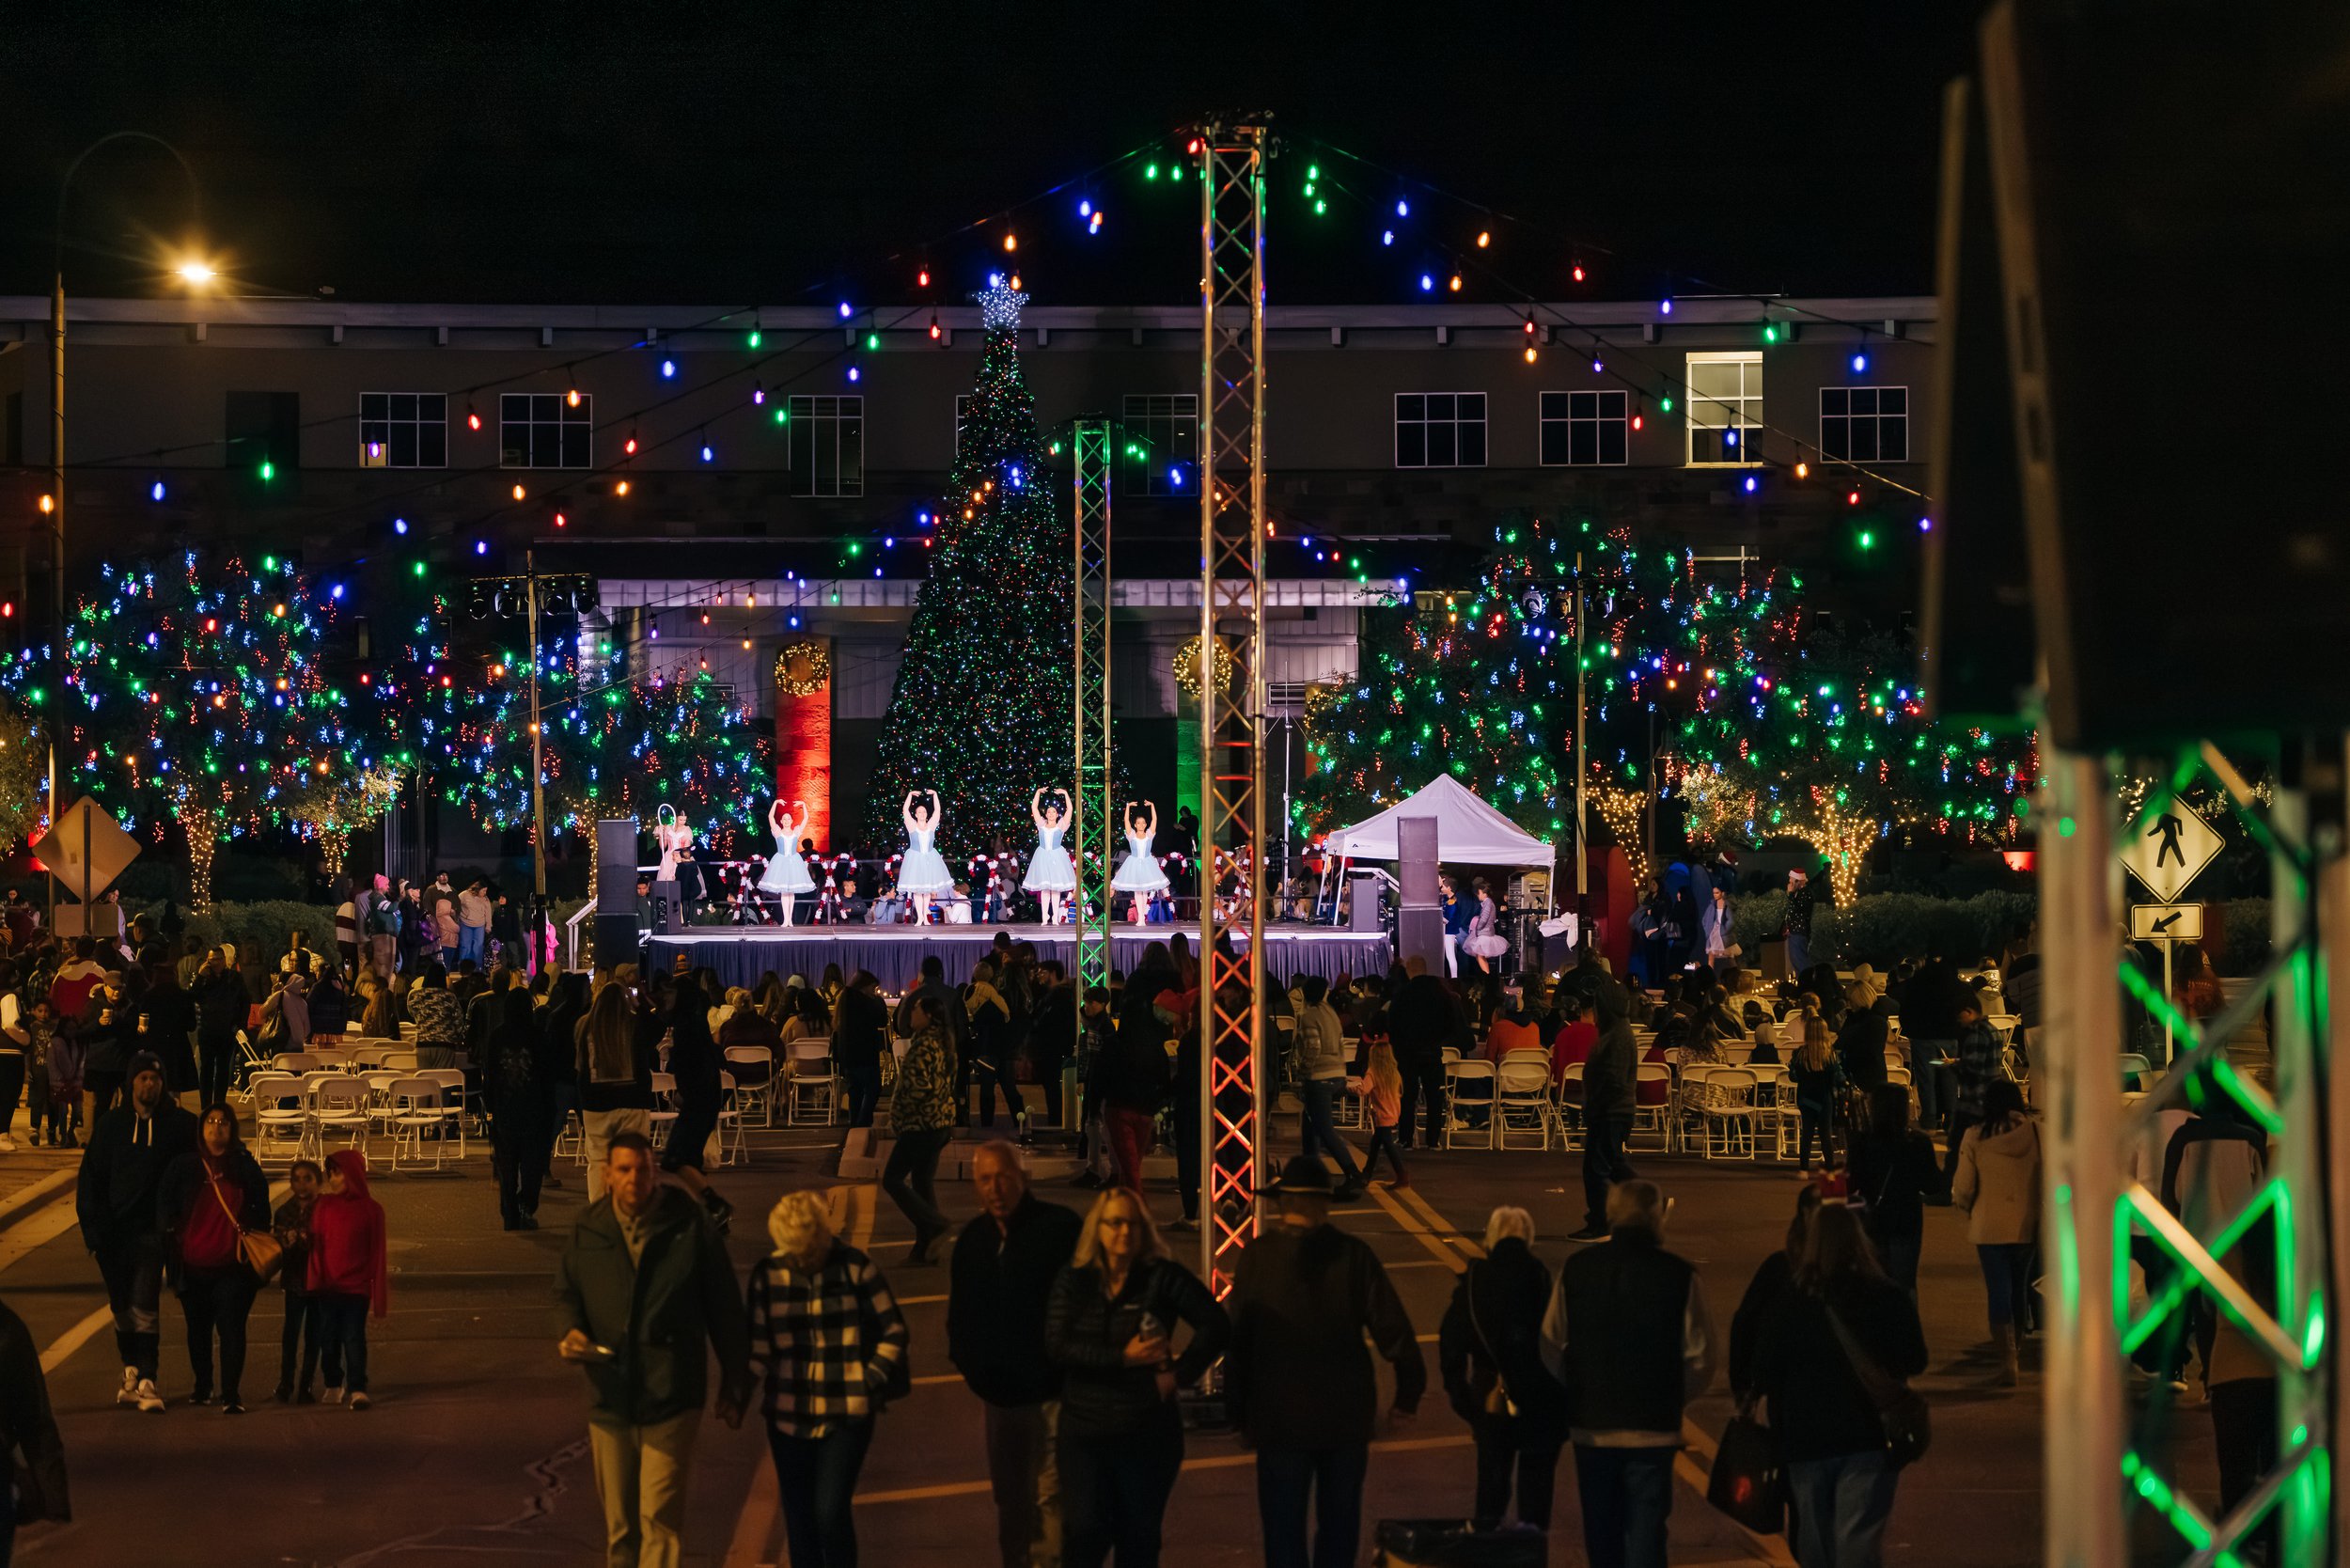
(2169, 847)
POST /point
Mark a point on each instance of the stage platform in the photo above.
(739, 955)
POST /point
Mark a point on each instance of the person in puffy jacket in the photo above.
(1998, 1188)
(350, 1275)
(208, 1196)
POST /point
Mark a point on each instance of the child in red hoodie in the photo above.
(348, 1275)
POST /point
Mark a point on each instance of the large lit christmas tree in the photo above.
(981, 710)
(201, 691)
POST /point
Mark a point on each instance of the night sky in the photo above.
(712, 154)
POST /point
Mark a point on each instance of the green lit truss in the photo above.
(2293, 1198)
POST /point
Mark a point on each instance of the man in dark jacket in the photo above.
(1000, 1279)
(1609, 1099)
(121, 1179)
(1929, 1014)
(643, 1295)
(1628, 1336)
(221, 1007)
(1299, 1376)
(1421, 1022)
(946, 1006)
(860, 1033)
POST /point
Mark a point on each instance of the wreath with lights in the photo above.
(1187, 667)
(802, 669)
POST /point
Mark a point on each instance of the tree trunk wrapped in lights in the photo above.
(332, 807)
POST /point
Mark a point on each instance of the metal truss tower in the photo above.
(2264, 1260)
(1232, 734)
(1093, 817)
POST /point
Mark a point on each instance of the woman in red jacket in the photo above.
(347, 1276)
(206, 1197)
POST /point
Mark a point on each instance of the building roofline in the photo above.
(653, 320)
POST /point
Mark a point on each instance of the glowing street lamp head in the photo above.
(197, 273)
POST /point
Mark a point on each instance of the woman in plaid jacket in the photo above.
(828, 1345)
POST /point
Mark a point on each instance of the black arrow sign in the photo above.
(2168, 921)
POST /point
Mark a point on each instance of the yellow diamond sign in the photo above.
(86, 850)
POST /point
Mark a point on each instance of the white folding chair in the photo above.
(452, 1084)
(813, 1085)
(664, 1107)
(753, 1070)
(294, 1062)
(416, 1108)
(379, 1081)
(1522, 1098)
(280, 1107)
(400, 1061)
(1726, 1111)
(1568, 1099)
(2136, 1069)
(1787, 1117)
(1471, 1070)
(730, 1149)
(339, 1104)
(1651, 1089)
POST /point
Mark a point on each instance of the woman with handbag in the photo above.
(209, 1199)
(828, 1346)
(1489, 1349)
(1833, 1357)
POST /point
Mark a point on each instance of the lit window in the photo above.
(1725, 407)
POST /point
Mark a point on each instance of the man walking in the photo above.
(1320, 1079)
(643, 1294)
(1608, 1098)
(1298, 1374)
(1421, 1022)
(120, 1181)
(998, 1282)
(1800, 898)
(1627, 1335)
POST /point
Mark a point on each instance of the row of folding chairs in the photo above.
(294, 1115)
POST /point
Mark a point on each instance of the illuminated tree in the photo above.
(24, 777)
(981, 709)
(330, 809)
(201, 691)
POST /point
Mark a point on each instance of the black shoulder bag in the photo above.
(1901, 1409)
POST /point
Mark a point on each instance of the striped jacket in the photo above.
(824, 1342)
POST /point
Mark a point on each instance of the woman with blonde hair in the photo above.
(1818, 1076)
(1109, 1327)
(828, 1346)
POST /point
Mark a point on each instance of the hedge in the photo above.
(1882, 928)
(260, 928)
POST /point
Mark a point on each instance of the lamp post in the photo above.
(196, 274)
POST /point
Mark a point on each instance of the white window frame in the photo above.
(420, 424)
(1879, 420)
(1749, 407)
(1148, 474)
(801, 411)
(1622, 417)
(567, 413)
(1483, 423)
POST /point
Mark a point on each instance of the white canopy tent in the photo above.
(1467, 830)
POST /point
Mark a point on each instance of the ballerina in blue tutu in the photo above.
(786, 878)
(1052, 875)
(1139, 873)
(923, 872)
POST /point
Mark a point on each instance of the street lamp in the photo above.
(193, 271)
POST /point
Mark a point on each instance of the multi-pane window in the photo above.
(826, 447)
(403, 430)
(1725, 406)
(1579, 429)
(1440, 430)
(544, 430)
(1865, 424)
(1161, 442)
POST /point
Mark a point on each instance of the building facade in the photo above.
(739, 480)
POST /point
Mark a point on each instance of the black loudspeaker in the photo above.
(1419, 933)
(1415, 861)
(1363, 907)
(615, 867)
(616, 939)
(2170, 216)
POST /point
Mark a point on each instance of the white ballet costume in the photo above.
(1140, 871)
(788, 872)
(1050, 870)
(1482, 939)
(924, 870)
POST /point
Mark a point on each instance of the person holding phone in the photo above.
(643, 1288)
(1109, 1326)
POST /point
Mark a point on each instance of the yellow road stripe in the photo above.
(1420, 1232)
